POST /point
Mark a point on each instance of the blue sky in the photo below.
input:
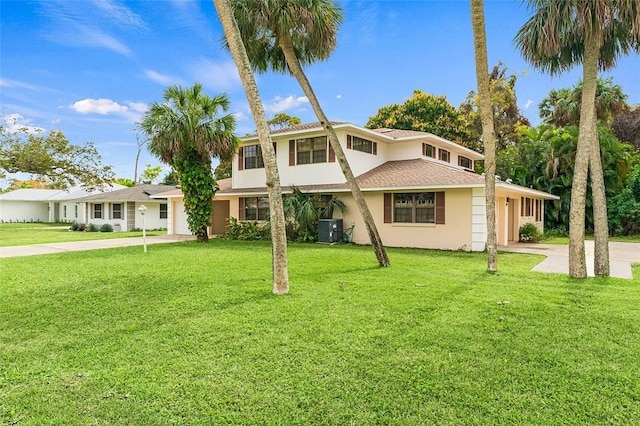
(90, 68)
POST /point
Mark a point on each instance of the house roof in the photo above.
(30, 194)
(135, 193)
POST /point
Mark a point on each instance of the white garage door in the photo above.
(180, 219)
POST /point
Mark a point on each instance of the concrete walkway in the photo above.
(621, 256)
(48, 248)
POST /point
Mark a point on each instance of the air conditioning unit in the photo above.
(330, 230)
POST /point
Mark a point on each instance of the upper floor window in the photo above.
(311, 150)
(253, 157)
(465, 162)
(444, 155)
(116, 211)
(163, 211)
(428, 150)
(363, 145)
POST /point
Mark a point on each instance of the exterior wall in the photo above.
(151, 218)
(71, 212)
(479, 219)
(29, 211)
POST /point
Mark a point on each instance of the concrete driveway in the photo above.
(621, 256)
(47, 248)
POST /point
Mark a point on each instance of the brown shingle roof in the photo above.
(300, 127)
(135, 193)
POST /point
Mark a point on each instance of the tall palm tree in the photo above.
(282, 35)
(595, 33)
(185, 132)
(488, 131)
(276, 210)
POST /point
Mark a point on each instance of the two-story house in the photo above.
(420, 188)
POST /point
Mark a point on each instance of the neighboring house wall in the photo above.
(19, 211)
(72, 211)
(126, 215)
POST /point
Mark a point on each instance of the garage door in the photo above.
(180, 219)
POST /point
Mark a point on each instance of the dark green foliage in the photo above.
(93, 228)
(624, 208)
(246, 230)
(106, 227)
(302, 211)
(529, 233)
(80, 227)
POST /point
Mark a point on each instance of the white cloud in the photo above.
(239, 116)
(107, 106)
(163, 79)
(216, 75)
(14, 123)
(119, 14)
(5, 82)
(528, 104)
(339, 96)
(280, 104)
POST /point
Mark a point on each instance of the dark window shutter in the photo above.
(387, 207)
(241, 158)
(424, 149)
(375, 149)
(439, 208)
(292, 153)
(332, 153)
(349, 139)
(274, 148)
(241, 208)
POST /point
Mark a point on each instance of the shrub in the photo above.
(106, 227)
(74, 226)
(246, 231)
(93, 228)
(529, 233)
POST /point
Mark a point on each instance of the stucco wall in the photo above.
(30, 211)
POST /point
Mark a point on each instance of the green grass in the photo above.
(565, 240)
(191, 334)
(21, 234)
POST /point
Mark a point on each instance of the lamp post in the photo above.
(142, 209)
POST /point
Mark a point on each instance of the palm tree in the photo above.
(488, 132)
(186, 132)
(283, 35)
(276, 210)
(595, 33)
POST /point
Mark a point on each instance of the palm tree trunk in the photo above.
(587, 133)
(296, 70)
(276, 211)
(601, 265)
(488, 131)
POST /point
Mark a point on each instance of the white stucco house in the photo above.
(47, 205)
(420, 188)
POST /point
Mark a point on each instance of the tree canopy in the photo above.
(52, 158)
(283, 120)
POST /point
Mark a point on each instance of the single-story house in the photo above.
(421, 189)
(121, 208)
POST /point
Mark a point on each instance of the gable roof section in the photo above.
(30, 194)
(135, 193)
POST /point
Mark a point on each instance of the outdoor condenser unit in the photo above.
(330, 230)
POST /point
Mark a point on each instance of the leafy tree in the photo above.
(125, 182)
(52, 158)
(562, 107)
(594, 33)
(171, 178)
(283, 35)
(423, 112)
(626, 126)
(224, 169)
(185, 132)
(276, 209)
(150, 173)
(507, 117)
(282, 121)
(488, 130)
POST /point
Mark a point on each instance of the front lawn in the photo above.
(22, 234)
(191, 334)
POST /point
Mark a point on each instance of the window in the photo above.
(256, 208)
(465, 162)
(253, 157)
(428, 150)
(97, 211)
(311, 150)
(414, 207)
(116, 211)
(530, 207)
(64, 214)
(444, 155)
(363, 145)
(163, 211)
(75, 211)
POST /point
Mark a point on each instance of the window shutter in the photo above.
(349, 139)
(387, 207)
(375, 148)
(332, 153)
(424, 149)
(241, 158)
(274, 148)
(439, 208)
(241, 208)
(292, 153)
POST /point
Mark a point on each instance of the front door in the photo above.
(219, 217)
